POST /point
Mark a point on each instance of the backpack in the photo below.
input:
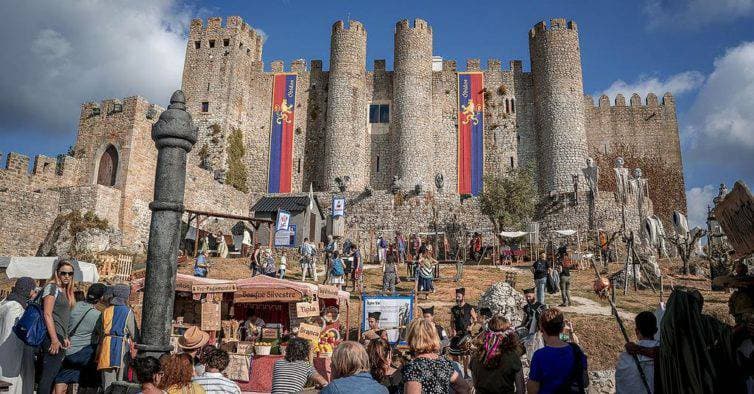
(578, 379)
(30, 328)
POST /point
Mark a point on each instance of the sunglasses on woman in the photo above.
(65, 273)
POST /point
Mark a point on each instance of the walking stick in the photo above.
(614, 310)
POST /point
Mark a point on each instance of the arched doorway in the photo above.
(108, 167)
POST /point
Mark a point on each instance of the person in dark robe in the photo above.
(429, 314)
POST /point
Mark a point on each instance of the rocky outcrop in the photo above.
(504, 300)
(74, 235)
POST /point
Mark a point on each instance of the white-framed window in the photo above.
(379, 113)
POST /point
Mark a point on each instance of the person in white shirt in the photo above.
(212, 380)
(627, 377)
(283, 265)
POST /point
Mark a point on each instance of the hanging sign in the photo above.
(284, 220)
(338, 206)
(210, 316)
(213, 288)
(327, 291)
(307, 309)
(309, 331)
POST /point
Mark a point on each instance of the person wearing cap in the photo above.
(373, 319)
(193, 340)
(119, 334)
(79, 363)
(16, 359)
(462, 315)
(532, 310)
(429, 314)
(456, 354)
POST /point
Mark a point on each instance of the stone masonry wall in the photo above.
(102, 200)
(412, 102)
(346, 136)
(556, 70)
(25, 217)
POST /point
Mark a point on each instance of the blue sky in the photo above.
(64, 53)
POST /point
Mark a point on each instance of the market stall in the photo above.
(275, 308)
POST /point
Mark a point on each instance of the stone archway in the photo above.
(108, 167)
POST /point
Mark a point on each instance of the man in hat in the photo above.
(428, 313)
(462, 315)
(193, 340)
(118, 327)
(532, 310)
(373, 319)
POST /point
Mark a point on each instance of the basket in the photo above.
(262, 350)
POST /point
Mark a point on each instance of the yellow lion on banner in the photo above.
(282, 111)
(469, 113)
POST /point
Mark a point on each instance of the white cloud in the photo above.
(719, 128)
(67, 52)
(691, 14)
(677, 84)
(697, 200)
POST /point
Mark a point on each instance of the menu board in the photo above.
(211, 316)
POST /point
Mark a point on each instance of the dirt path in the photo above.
(589, 307)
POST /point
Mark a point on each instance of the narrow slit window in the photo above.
(208, 86)
(211, 43)
(513, 106)
(511, 161)
(374, 113)
(197, 44)
(507, 106)
(384, 113)
(378, 163)
(298, 165)
(205, 106)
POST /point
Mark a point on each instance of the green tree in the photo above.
(236, 175)
(509, 200)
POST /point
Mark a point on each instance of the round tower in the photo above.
(412, 103)
(347, 153)
(559, 104)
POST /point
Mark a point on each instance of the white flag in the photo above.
(311, 197)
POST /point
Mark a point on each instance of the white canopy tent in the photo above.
(41, 268)
(513, 234)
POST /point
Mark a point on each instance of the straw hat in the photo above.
(193, 338)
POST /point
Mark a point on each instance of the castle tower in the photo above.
(216, 74)
(412, 102)
(559, 104)
(345, 128)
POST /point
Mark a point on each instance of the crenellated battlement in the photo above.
(119, 108)
(46, 172)
(353, 26)
(635, 101)
(419, 24)
(234, 25)
(555, 24)
(297, 66)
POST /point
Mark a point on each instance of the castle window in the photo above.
(240, 45)
(197, 44)
(378, 163)
(512, 162)
(205, 106)
(507, 106)
(248, 51)
(95, 111)
(211, 43)
(226, 42)
(208, 86)
(379, 113)
(117, 108)
(298, 165)
(513, 106)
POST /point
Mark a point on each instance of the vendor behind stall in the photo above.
(253, 326)
(201, 265)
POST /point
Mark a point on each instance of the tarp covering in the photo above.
(564, 233)
(512, 234)
(41, 268)
(697, 354)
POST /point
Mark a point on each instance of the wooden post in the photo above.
(196, 235)
(271, 235)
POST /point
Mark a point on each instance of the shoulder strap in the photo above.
(73, 332)
(578, 366)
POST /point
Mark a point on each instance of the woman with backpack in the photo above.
(16, 358)
(57, 302)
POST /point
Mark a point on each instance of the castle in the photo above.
(424, 128)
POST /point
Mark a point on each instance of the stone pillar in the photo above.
(174, 134)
